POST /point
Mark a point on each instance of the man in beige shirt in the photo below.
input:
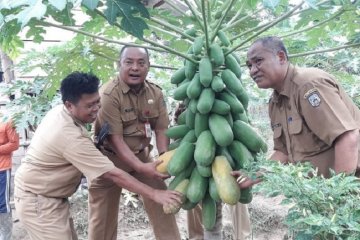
(312, 117)
(60, 152)
(135, 109)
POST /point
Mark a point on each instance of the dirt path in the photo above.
(266, 217)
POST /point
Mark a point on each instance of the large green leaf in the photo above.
(134, 26)
(36, 10)
(66, 16)
(124, 8)
(35, 32)
(90, 4)
(271, 3)
(58, 4)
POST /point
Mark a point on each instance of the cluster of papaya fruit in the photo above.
(213, 136)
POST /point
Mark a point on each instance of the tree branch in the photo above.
(170, 50)
(218, 25)
(320, 51)
(194, 13)
(273, 23)
(205, 25)
(314, 26)
(174, 6)
(324, 50)
(48, 24)
(171, 27)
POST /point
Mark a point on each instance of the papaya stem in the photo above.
(171, 4)
(162, 30)
(115, 60)
(171, 27)
(44, 23)
(195, 14)
(320, 51)
(218, 25)
(236, 16)
(234, 24)
(170, 50)
(265, 24)
(269, 25)
(205, 25)
(314, 26)
(324, 50)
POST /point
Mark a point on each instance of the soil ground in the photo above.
(266, 215)
(266, 219)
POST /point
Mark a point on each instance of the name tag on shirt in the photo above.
(148, 132)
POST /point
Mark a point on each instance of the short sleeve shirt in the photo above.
(127, 112)
(60, 151)
(309, 114)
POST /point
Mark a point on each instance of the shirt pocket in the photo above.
(279, 143)
(150, 116)
(302, 139)
(129, 122)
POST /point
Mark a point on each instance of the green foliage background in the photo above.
(322, 34)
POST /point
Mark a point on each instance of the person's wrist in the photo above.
(140, 167)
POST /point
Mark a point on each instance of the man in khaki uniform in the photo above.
(60, 151)
(134, 108)
(312, 117)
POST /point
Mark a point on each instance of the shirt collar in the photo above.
(77, 122)
(287, 85)
(125, 88)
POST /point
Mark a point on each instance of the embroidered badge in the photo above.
(314, 99)
(309, 92)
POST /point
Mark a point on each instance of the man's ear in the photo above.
(282, 56)
(68, 104)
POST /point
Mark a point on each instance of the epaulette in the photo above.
(108, 87)
(151, 83)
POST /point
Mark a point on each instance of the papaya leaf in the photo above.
(65, 16)
(37, 10)
(124, 8)
(134, 26)
(13, 3)
(35, 32)
(312, 4)
(272, 4)
(58, 4)
(252, 3)
(90, 4)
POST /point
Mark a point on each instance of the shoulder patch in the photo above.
(109, 87)
(309, 92)
(314, 99)
(151, 83)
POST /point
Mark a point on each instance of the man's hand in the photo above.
(149, 170)
(243, 180)
(167, 197)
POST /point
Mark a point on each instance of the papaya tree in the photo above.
(209, 38)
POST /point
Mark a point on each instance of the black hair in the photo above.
(127, 46)
(76, 84)
(273, 43)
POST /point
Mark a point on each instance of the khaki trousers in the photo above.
(239, 217)
(104, 197)
(44, 218)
